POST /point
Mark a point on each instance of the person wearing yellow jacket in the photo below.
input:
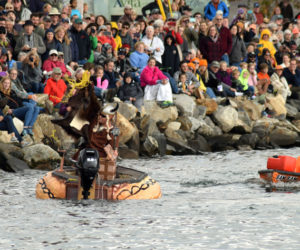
(115, 33)
(264, 42)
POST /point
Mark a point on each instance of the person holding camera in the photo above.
(123, 63)
(153, 45)
(32, 73)
(91, 31)
(105, 36)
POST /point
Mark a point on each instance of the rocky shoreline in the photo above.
(188, 127)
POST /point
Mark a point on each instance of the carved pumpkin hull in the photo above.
(129, 184)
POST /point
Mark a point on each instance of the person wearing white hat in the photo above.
(55, 87)
(53, 62)
(54, 15)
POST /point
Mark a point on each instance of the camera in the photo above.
(93, 31)
(122, 51)
(31, 59)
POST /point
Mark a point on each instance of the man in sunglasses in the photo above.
(124, 34)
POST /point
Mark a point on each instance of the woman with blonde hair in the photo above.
(64, 44)
(27, 113)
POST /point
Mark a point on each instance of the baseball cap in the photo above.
(256, 5)
(215, 64)
(78, 21)
(155, 11)
(56, 70)
(53, 52)
(65, 20)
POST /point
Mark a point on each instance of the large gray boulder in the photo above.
(291, 111)
(186, 104)
(40, 156)
(252, 108)
(127, 110)
(43, 127)
(159, 114)
(226, 117)
(282, 136)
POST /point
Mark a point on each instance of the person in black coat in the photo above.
(82, 40)
(266, 58)
(131, 92)
(170, 58)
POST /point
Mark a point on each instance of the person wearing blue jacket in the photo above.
(139, 58)
(213, 6)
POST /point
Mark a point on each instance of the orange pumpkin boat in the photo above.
(281, 168)
(76, 183)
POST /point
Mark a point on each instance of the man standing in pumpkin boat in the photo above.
(87, 118)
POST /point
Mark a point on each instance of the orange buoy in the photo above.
(283, 163)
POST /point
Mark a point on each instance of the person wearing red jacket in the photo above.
(170, 29)
(55, 87)
(105, 36)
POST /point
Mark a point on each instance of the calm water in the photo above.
(213, 201)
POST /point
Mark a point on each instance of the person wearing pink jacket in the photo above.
(52, 62)
(157, 86)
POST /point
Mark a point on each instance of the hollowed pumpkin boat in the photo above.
(281, 168)
(83, 182)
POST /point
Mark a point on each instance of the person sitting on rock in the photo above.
(28, 114)
(204, 77)
(100, 82)
(220, 88)
(280, 85)
(263, 79)
(55, 87)
(292, 75)
(156, 84)
(243, 85)
(7, 124)
(131, 92)
(189, 74)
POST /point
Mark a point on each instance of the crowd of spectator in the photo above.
(148, 57)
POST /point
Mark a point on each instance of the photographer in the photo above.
(32, 73)
(123, 64)
(153, 45)
(91, 31)
(105, 36)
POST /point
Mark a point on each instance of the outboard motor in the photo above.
(88, 165)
